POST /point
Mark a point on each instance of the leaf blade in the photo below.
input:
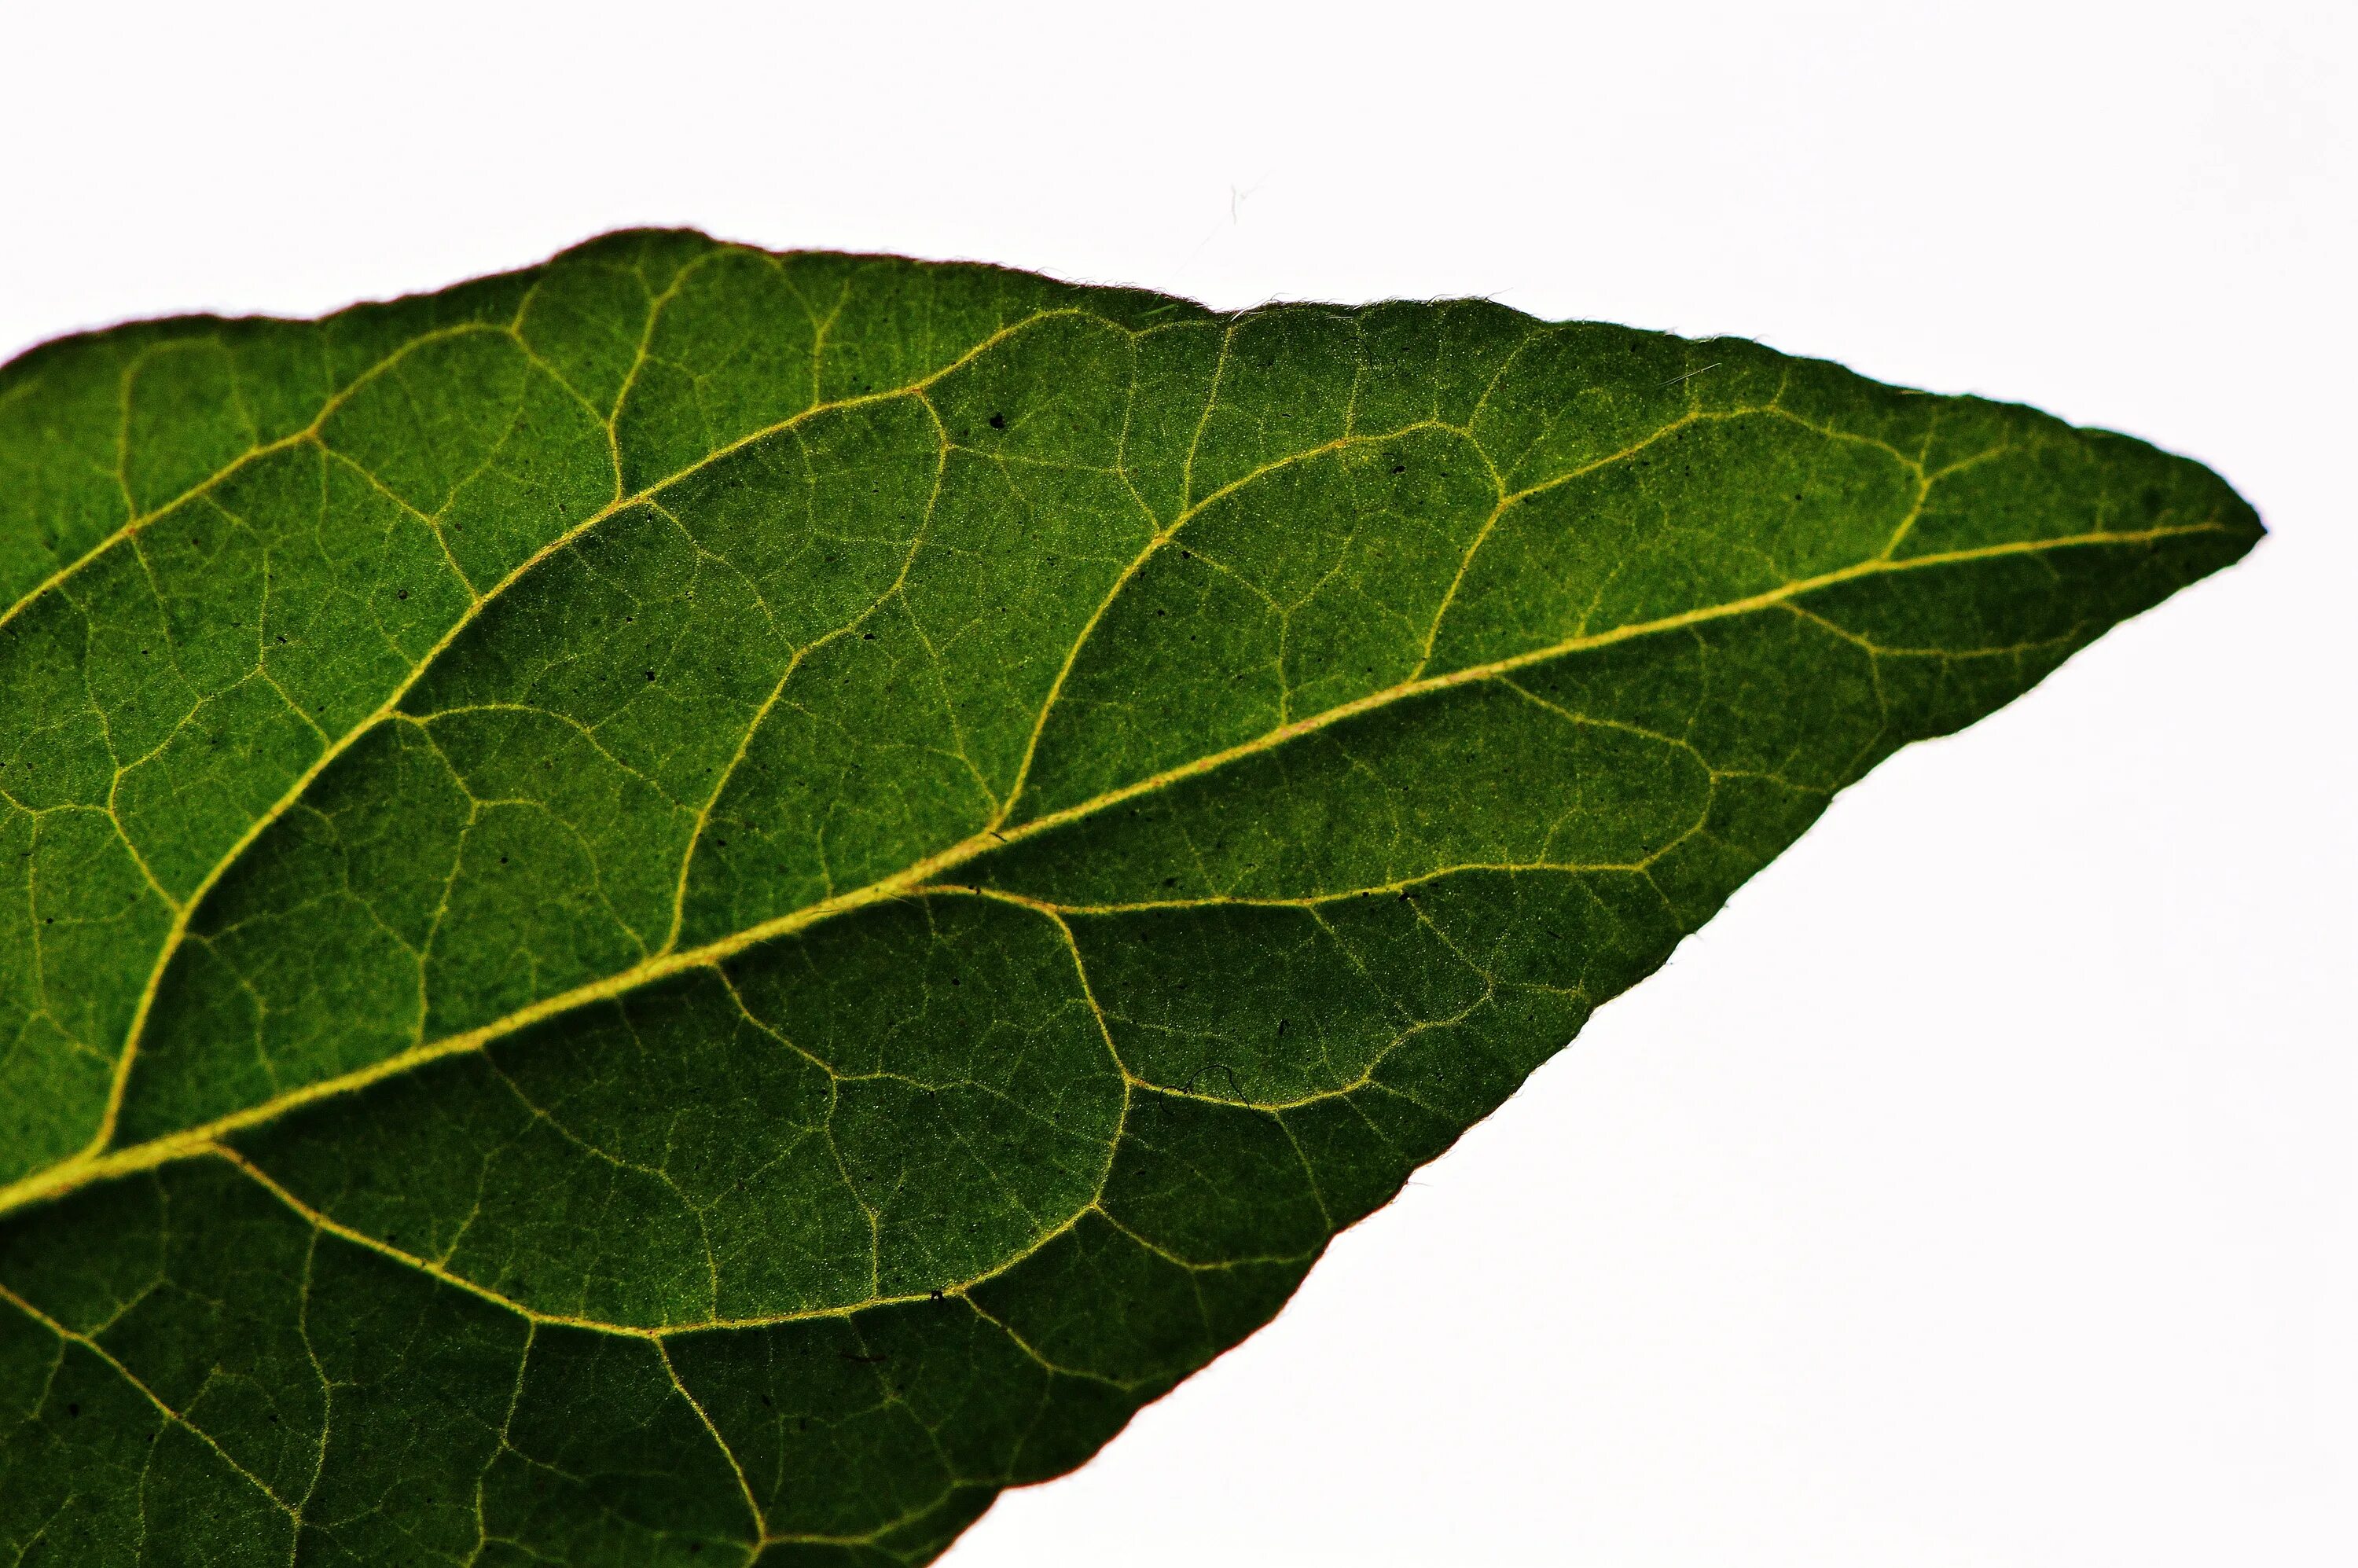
(712, 811)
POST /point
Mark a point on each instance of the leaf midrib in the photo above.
(97, 1164)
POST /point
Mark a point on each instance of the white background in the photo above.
(1980, 1188)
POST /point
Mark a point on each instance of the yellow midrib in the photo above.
(100, 1164)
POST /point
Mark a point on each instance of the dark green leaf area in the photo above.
(700, 906)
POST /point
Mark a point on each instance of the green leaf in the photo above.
(696, 904)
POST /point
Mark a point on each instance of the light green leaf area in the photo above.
(697, 906)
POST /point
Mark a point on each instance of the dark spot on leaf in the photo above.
(998, 421)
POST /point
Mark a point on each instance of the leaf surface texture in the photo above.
(695, 906)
